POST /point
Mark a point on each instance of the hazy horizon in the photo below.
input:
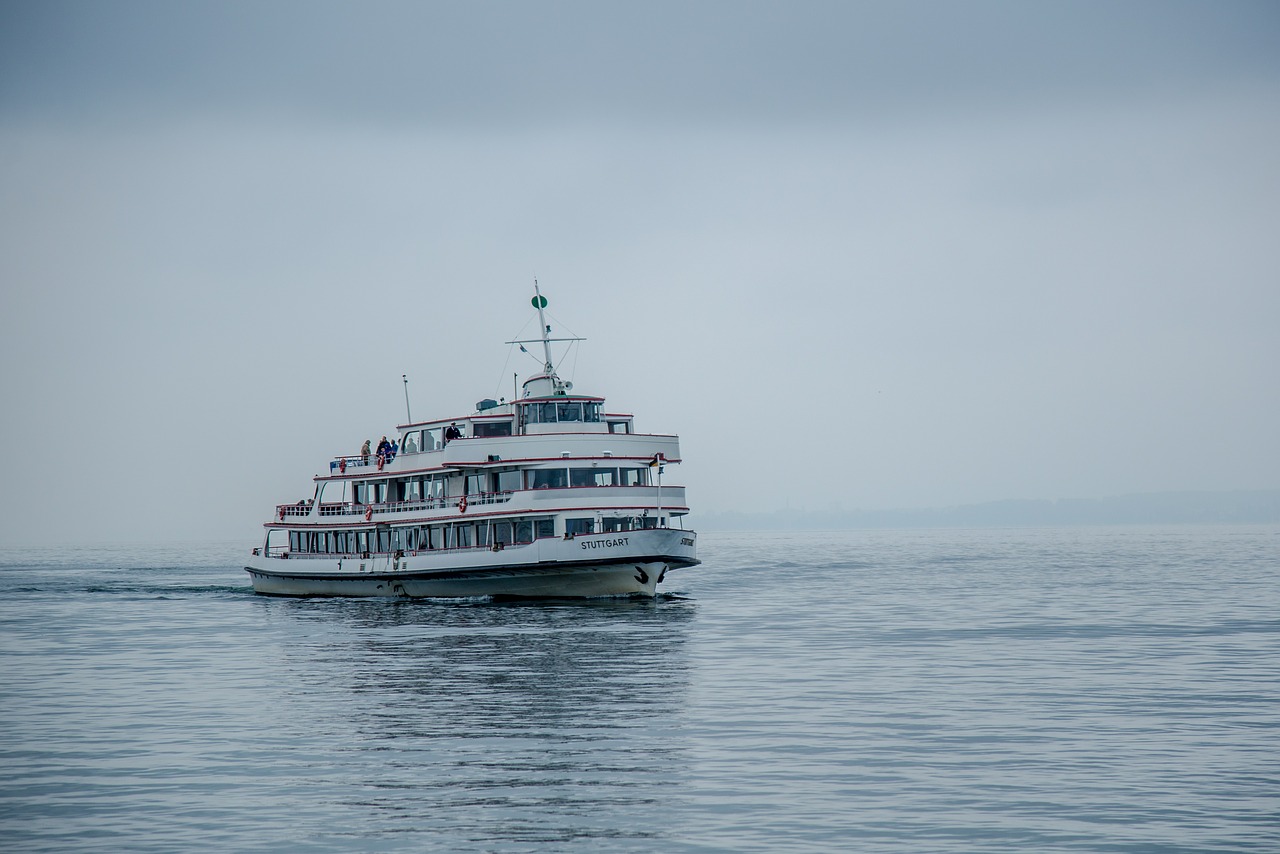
(890, 255)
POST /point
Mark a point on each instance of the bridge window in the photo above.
(619, 427)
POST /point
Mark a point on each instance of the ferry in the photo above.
(548, 495)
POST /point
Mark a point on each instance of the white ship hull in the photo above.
(596, 565)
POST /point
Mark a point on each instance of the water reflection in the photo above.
(550, 721)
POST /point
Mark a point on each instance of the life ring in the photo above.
(342, 466)
(368, 513)
(462, 504)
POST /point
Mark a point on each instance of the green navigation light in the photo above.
(539, 302)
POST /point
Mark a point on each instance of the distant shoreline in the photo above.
(1157, 508)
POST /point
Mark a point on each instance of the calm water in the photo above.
(1049, 690)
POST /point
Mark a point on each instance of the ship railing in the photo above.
(299, 509)
(341, 464)
(283, 552)
(412, 505)
(490, 497)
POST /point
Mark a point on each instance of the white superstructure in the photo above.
(549, 495)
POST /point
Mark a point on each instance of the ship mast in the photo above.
(553, 383)
(540, 302)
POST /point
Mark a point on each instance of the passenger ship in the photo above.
(547, 495)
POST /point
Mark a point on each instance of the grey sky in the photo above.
(885, 254)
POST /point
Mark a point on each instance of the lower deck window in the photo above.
(573, 527)
(502, 533)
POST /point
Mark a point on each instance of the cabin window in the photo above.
(548, 478)
(614, 525)
(474, 484)
(432, 487)
(463, 535)
(593, 477)
(295, 542)
(502, 532)
(619, 427)
(591, 412)
(524, 531)
(568, 412)
(507, 481)
(635, 477)
(482, 535)
(412, 442)
(573, 527)
(500, 428)
(544, 528)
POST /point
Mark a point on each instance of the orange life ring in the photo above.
(368, 513)
(462, 505)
